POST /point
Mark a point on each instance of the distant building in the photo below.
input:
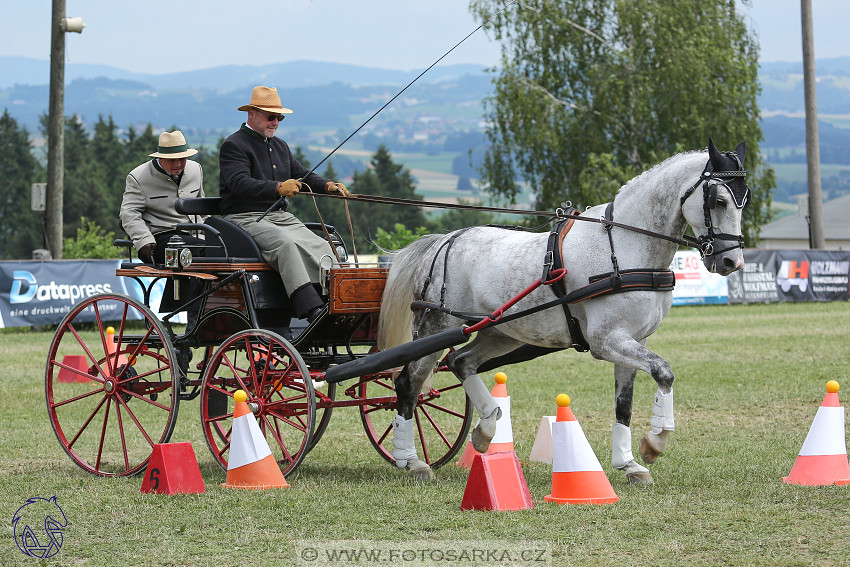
(792, 233)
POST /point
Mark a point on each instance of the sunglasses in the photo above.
(273, 117)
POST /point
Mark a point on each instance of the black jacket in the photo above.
(252, 166)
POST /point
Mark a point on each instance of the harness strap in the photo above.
(447, 245)
(609, 217)
(630, 280)
(554, 261)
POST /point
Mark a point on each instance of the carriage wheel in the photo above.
(111, 400)
(269, 369)
(443, 417)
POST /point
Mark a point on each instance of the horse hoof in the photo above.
(421, 472)
(639, 478)
(647, 452)
(480, 441)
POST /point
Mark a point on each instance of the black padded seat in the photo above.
(240, 246)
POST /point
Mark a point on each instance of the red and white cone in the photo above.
(577, 476)
(541, 450)
(250, 463)
(503, 439)
(823, 458)
(111, 347)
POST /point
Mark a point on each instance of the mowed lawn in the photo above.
(749, 382)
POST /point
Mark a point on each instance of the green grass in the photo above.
(749, 382)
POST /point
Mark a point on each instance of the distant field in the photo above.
(798, 171)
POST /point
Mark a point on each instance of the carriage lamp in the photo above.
(341, 252)
(176, 256)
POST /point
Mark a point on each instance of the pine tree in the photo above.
(20, 227)
(390, 179)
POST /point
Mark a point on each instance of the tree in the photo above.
(389, 179)
(208, 158)
(593, 92)
(91, 241)
(453, 219)
(20, 227)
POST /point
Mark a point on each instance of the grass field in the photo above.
(749, 382)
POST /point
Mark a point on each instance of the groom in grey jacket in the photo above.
(147, 208)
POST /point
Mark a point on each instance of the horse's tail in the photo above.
(395, 323)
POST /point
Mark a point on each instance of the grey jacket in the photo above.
(148, 204)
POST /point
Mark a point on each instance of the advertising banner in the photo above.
(695, 285)
(757, 281)
(791, 275)
(41, 293)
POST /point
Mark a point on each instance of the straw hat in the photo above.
(265, 98)
(172, 145)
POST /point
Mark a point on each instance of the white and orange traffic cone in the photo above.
(250, 463)
(577, 476)
(823, 458)
(541, 450)
(111, 347)
(503, 439)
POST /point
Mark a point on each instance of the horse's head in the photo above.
(714, 205)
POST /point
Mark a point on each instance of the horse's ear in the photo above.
(741, 150)
(713, 154)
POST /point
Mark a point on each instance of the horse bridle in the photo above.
(705, 243)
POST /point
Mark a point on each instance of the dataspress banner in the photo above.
(41, 293)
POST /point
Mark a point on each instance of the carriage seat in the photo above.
(240, 246)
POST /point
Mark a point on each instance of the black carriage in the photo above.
(117, 372)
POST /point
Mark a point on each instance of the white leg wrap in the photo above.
(481, 398)
(621, 446)
(404, 450)
(662, 413)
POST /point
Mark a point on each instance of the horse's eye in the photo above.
(721, 203)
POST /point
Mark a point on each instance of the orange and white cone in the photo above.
(541, 450)
(250, 463)
(503, 439)
(111, 347)
(823, 458)
(577, 476)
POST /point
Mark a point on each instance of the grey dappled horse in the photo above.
(487, 266)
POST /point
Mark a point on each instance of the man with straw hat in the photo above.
(147, 208)
(256, 169)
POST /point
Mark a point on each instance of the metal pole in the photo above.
(56, 132)
(812, 143)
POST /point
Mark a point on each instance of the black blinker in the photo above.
(711, 196)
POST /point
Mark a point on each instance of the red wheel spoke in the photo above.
(85, 348)
(442, 409)
(76, 371)
(146, 400)
(123, 439)
(103, 433)
(77, 398)
(386, 432)
(436, 427)
(277, 437)
(86, 423)
(422, 441)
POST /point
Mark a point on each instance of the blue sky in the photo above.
(163, 36)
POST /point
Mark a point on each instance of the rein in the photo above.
(642, 279)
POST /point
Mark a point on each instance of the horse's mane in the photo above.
(656, 170)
